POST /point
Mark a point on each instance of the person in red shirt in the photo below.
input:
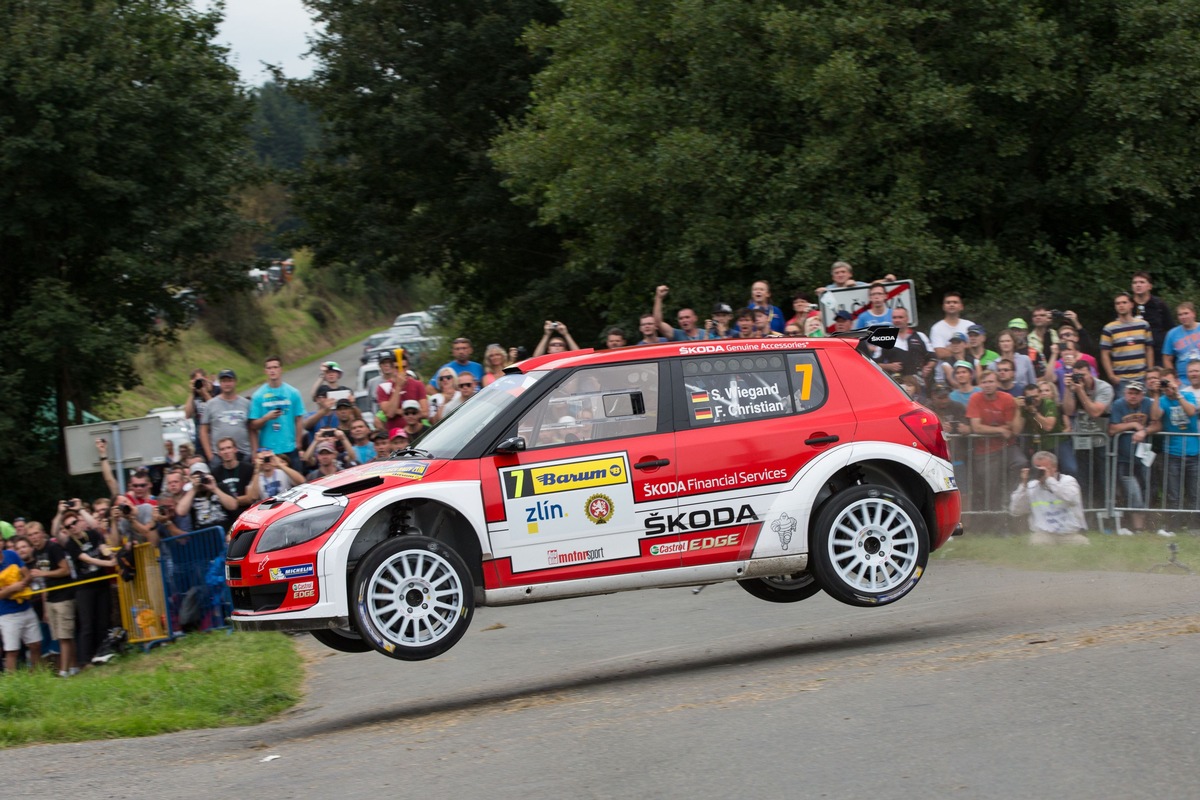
(396, 387)
(996, 422)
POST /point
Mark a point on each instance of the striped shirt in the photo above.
(1126, 343)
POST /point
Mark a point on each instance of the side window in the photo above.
(725, 389)
(595, 404)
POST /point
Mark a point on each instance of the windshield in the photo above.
(451, 435)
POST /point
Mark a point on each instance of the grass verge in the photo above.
(205, 680)
(1107, 553)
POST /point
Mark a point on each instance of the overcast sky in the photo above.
(273, 31)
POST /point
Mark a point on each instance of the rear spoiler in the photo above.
(879, 335)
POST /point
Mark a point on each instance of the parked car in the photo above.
(416, 347)
(177, 428)
(422, 319)
(791, 466)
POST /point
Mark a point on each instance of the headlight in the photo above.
(298, 528)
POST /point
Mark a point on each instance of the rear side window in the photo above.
(724, 389)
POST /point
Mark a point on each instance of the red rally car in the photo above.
(791, 466)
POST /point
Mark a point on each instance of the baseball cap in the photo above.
(964, 363)
(410, 404)
(7, 531)
(326, 447)
(977, 330)
(722, 308)
(1017, 322)
(939, 390)
(1137, 386)
(345, 402)
(387, 355)
(397, 433)
(226, 373)
(843, 315)
(199, 466)
(332, 365)
(957, 337)
(19, 519)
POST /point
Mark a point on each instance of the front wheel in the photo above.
(782, 588)
(414, 598)
(869, 546)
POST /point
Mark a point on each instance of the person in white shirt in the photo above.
(951, 323)
(1053, 502)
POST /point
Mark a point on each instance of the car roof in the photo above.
(575, 358)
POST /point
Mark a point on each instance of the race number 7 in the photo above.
(806, 373)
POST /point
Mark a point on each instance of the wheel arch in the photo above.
(413, 515)
(895, 475)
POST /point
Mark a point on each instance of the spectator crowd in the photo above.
(1036, 413)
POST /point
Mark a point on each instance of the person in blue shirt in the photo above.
(1131, 423)
(760, 298)
(1176, 413)
(878, 312)
(462, 349)
(277, 413)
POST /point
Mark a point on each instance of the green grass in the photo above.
(205, 680)
(1106, 553)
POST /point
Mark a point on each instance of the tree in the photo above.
(122, 138)
(411, 95)
(1014, 150)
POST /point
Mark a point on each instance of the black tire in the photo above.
(869, 546)
(413, 598)
(342, 640)
(782, 588)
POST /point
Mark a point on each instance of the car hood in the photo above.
(373, 477)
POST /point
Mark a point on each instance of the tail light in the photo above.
(926, 426)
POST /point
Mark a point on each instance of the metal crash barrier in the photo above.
(177, 586)
(1159, 482)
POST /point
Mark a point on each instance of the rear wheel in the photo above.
(343, 640)
(782, 588)
(413, 598)
(869, 546)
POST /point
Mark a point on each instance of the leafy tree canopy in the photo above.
(1015, 150)
(122, 138)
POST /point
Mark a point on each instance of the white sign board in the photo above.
(901, 294)
(139, 442)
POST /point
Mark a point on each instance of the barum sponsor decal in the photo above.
(593, 473)
(599, 508)
(562, 559)
(731, 481)
(698, 520)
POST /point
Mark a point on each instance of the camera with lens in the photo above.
(125, 510)
(1057, 316)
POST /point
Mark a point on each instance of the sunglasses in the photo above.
(468, 383)
(412, 412)
(139, 486)
(445, 377)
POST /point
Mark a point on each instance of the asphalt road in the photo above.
(982, 683)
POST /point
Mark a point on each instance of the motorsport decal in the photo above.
(295, 571)
(396, 469)
(731, 480)
(698, 520)
(303, 589)
(592, 473)
(599, 508)
(785, 528)
(557, 558)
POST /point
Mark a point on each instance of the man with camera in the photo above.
(227, 414)
(1086, 400)
(200, 391)
(1053, 502)
(555, 339)
(1131, 423)
(272, 476)
(1176, 413)
(210, 504)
